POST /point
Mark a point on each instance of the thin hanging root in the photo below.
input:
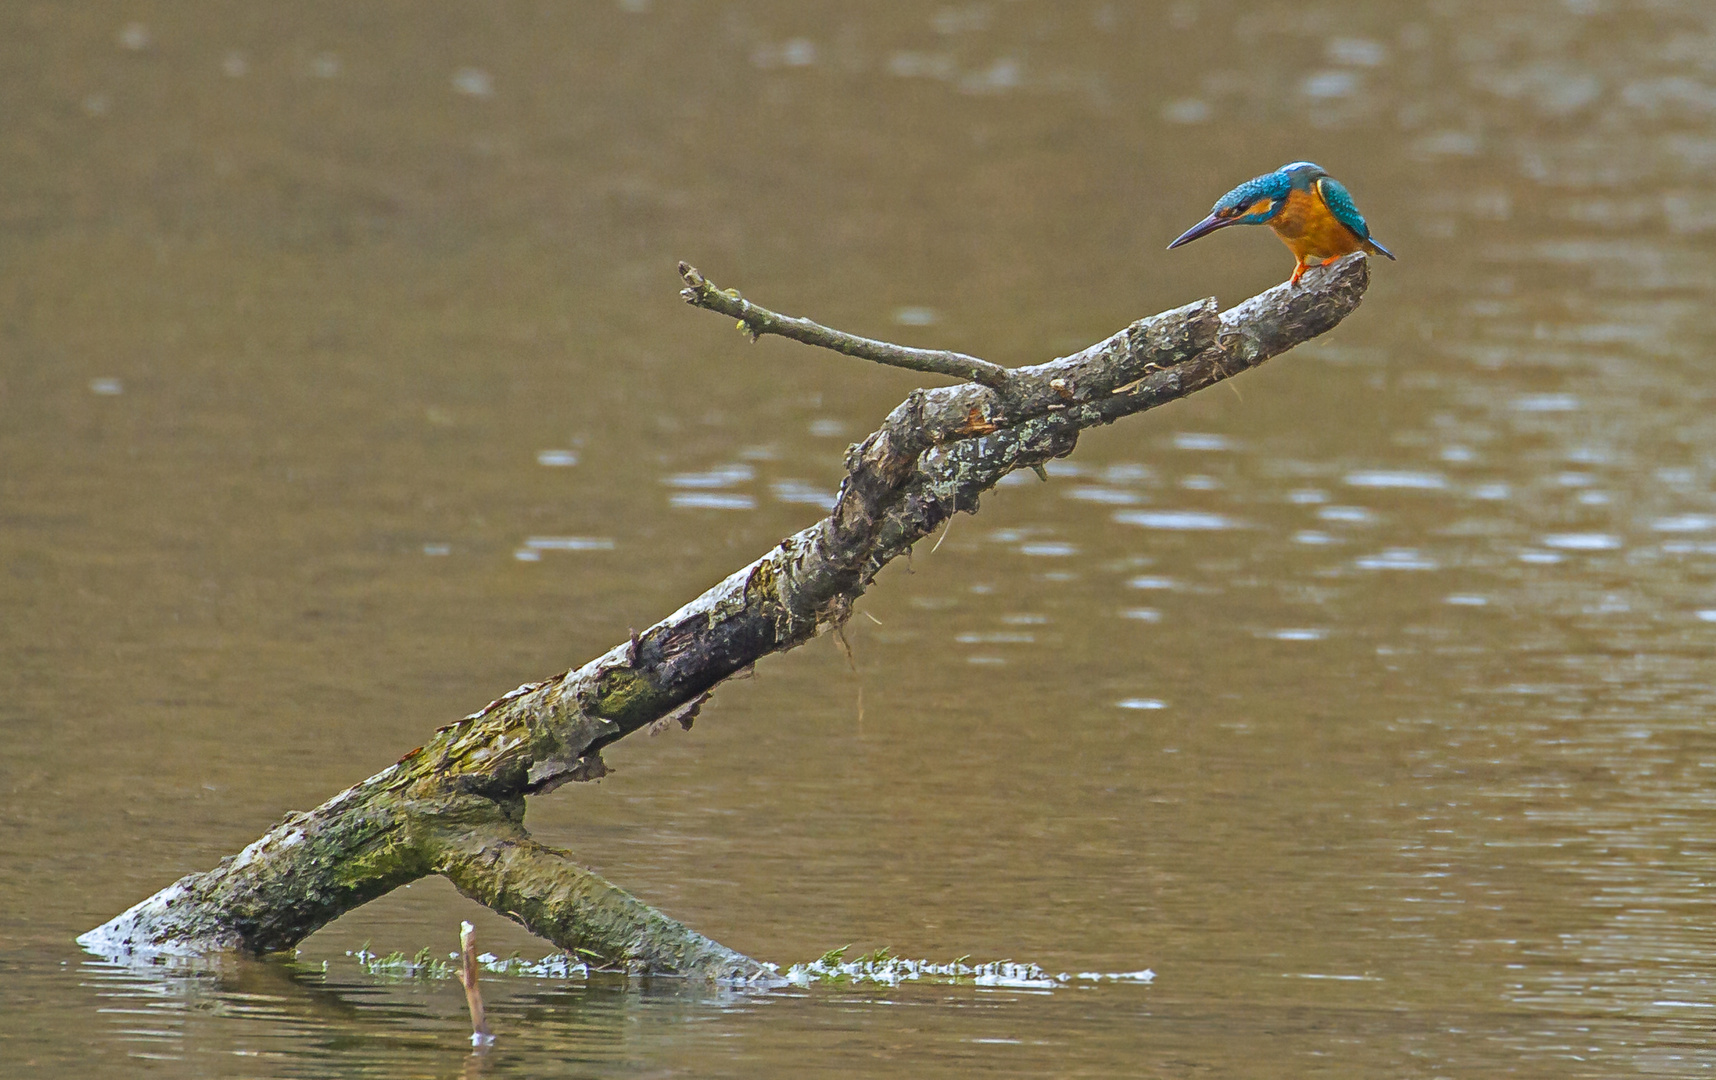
(845, 647)
(851, 662)
(943, 535)
(1227, 377)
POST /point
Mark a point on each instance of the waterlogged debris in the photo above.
(429, 965)
(1140, 703)
(557, 459)
(1299, 633)
(1467, 600)
(883, 968)
(1149, 582)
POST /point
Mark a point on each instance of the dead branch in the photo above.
(456, 805)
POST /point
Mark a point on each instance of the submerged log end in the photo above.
(593, 920)
(173, 922)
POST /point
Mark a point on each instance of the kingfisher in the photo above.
(1309, 210)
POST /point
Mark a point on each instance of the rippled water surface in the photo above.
(1366, 701)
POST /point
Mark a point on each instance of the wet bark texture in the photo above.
(455, 806)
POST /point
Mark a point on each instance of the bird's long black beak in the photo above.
(1203, 228)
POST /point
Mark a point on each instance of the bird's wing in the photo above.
(1340, 204)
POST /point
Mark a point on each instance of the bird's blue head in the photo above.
(1255, 201)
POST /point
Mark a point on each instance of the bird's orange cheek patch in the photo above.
(1260, 206)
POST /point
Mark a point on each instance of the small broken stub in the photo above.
(684, 715)
(975, 423)
(546, 776)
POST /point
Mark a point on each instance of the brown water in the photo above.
(1366, 705)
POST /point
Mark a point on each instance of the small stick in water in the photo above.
(473, 995)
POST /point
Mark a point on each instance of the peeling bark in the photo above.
(455, 806)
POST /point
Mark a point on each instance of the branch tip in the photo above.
(756, 320)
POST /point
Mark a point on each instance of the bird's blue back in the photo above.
(1340, 203)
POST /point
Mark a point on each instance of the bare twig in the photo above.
(480, 1035)
(758, 321)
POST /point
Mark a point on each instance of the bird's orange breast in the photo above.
(1310, 231)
